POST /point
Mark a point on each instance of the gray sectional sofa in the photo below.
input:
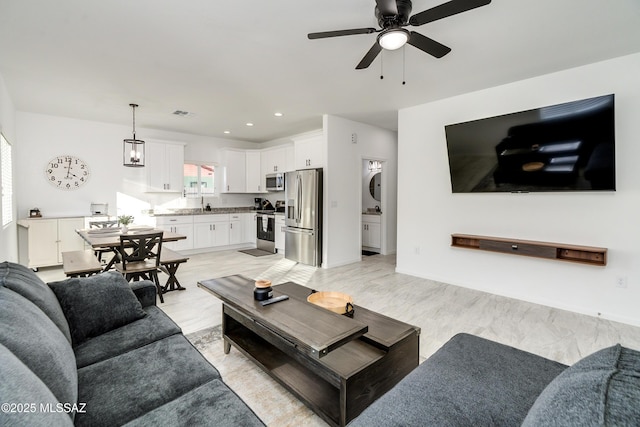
(471, 381)
(98, 352)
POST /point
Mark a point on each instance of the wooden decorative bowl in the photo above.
(263, 283)
(337, 302)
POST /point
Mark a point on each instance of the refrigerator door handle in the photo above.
(294, 230)
(299, 204)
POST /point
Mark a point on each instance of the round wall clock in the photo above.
(67, 172)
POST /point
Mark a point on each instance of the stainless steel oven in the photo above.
(266, 231)
(275, 182)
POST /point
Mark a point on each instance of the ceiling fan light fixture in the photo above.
(393, 38)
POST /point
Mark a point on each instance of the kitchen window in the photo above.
(198, 180)
(6, 169)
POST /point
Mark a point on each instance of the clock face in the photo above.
(67, 172)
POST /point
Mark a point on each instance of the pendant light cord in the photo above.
(133, 107)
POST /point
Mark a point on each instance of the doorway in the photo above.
(372, 204)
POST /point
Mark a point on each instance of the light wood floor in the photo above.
(440, 310)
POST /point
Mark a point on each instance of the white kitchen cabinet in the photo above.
(42, 241)
(255, 180)
(179, 224)
(236, 229)
(371, 231)
(250, 230)
(235, 166)
(277, 159)
(164, 166)
(210, 230)
(280, 234)
(309, 151)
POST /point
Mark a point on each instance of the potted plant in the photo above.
(124, 221)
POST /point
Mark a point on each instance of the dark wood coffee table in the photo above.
(334, 364)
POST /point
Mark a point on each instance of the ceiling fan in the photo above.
(393, 16)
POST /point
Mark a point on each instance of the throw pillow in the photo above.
(98, 304)
(600, 390)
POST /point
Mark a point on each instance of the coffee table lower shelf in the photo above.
(338, 386)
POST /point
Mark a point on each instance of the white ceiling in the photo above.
(230, 62)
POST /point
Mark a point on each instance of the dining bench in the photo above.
(80, 263)
(169, 263)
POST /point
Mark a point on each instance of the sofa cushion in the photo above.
(24, 281)
(469, 381)
(95, 305)
(155, 326)
(34, 339)
(128, 386)
(212, 404)
(20, 386)
(600, 390)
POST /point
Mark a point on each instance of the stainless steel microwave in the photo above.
(275, 182)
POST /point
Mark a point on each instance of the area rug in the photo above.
(274, 405)
(256, 252)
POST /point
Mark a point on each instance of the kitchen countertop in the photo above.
(199, 211)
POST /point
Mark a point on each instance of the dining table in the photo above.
(109, 238)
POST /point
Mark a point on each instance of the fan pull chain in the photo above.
(381, 66)
(404, 64)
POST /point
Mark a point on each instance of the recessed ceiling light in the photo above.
(249, 124)
(278, 114)
(227, 131)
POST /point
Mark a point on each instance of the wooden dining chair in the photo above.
(140, 257)
(103, 224)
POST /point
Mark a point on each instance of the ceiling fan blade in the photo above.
(428, 45)
(387, 7)
(449, 8)
(369, 57)
(326, 34)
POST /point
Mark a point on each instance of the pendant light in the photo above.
(133, 149)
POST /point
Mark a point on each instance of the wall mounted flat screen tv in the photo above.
(564, 147)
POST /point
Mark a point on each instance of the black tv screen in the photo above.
(564, 147)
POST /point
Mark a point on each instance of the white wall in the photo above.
(8, 234)
(100, 144)
(343, 187)
(428, 213)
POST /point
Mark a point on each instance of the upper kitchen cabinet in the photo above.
(309, 150)
(164, 167)
(278, 159)
(235, 167)
(255, 179)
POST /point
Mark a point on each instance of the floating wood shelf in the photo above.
(573, 253)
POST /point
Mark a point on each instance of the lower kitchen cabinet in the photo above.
(210, 231)
(280, 234)
(213, 231)
(250, 229)
(42, 241)
(180, 224)
(236, 229)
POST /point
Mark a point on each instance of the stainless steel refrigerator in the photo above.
(303, 220)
